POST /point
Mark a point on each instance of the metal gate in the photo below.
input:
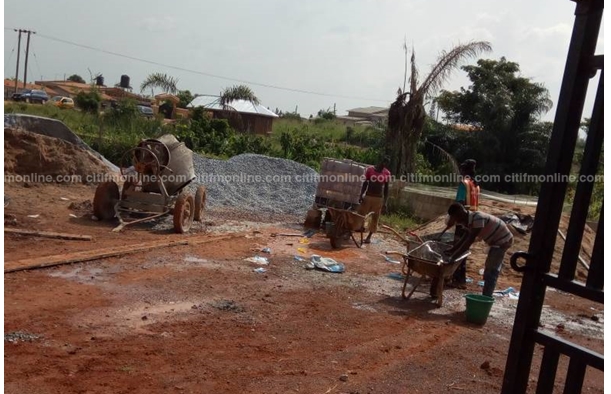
(581, 66)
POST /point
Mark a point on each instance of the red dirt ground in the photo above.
(197, 319)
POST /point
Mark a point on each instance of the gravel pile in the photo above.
(257, 184)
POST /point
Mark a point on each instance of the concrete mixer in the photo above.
(157, 172)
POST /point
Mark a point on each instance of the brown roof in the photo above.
(9, 83)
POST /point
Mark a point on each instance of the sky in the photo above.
(349, 51)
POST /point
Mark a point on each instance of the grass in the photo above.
(400, 221)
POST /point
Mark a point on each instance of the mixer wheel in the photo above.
(104, 200)
(184, 210)
(200, 203)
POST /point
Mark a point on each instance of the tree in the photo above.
(76, 78)
(326, 114)
(238, 92)
(505, 108)
(185, 98)
(406, 116)
(88, 101)
(160, 81)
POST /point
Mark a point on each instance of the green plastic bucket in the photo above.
(478, 308)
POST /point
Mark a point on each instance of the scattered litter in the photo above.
(7, 200)
(481, 283)
(73, 215)
(266, 250)
(481, 271)
(258, 260)
(522, 223)
(34, 216)
(469, 280)
(64, 199)
(301, 250)
(304, 241)
(260, 270)
(509, 292)
(326, 264)
(396, 276)
(388, 259)
(298, 258)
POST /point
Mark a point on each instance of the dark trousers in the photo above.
(460, 275)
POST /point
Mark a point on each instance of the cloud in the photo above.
(560, 30)
(156, 24)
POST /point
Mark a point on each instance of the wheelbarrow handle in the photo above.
(413, 234)
(393, 252)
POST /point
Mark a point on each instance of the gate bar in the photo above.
(596, 274)
(583, 194)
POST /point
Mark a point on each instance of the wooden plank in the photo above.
(49, 234)
(97, 254)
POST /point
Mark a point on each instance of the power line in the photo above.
(9, 57)
(202, 72)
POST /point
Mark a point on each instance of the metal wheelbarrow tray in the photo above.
(426, 263)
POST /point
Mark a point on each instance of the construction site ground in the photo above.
(199, 319)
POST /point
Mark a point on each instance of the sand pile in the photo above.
(35, 158)
(521, 242)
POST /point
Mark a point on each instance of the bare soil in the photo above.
(198, 319)
(27, 153)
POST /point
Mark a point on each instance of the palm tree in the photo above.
(161, 81)
(238, 92)
(406, 116)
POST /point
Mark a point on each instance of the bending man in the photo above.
(490, 229)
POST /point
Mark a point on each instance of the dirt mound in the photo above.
(520, 243)
(37, 158)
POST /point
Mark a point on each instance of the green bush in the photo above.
(88, 101)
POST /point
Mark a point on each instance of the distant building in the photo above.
(109, 94)
(365, 116)
(242, 115)
(9, 88)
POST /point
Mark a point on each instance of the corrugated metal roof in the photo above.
(369, 110)
(243, 106)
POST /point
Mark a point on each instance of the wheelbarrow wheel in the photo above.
(200, 203)
(184, 210)
(104, 201)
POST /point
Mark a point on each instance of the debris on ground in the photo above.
(325, 264)
(389, 260)
(227, 306)
(258, 260)
(19, 336)
(260, 270)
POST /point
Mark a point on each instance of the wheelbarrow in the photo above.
(429, 260)
(344, 224)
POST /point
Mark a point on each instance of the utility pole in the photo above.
(18, 53)
(27, 52)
